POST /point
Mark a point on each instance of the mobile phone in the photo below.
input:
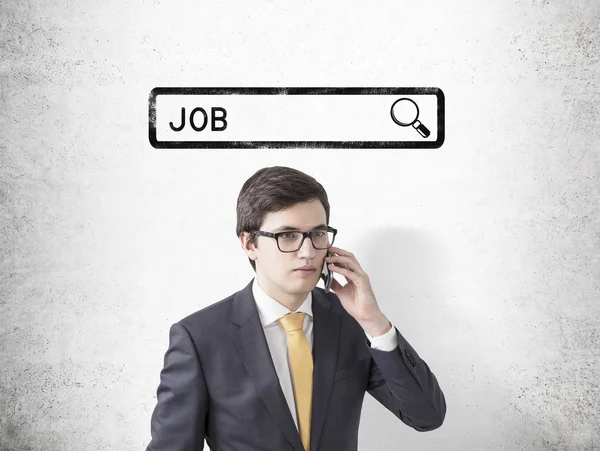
(327, 275)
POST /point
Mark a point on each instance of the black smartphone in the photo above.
(327, 275)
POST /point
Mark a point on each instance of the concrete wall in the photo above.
(485, 253)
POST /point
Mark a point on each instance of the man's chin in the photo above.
(304, 284)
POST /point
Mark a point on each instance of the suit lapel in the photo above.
(251, 344)
(326, 333)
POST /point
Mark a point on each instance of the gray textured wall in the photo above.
(495, 271)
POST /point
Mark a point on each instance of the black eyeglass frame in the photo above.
(304, 235)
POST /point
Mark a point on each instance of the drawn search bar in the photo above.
(296, 117)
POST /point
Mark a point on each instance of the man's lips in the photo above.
(306, 268)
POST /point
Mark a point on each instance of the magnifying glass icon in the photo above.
(405, 112)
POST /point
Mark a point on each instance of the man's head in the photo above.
(269, 200)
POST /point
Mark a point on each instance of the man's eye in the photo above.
(318, 233)
(287, 235)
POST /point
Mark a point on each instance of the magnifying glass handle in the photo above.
(423, 131)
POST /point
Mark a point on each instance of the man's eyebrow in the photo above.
(286, 228)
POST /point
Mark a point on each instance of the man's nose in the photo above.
(307, 249)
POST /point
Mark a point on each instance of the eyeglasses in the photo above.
(292, 241)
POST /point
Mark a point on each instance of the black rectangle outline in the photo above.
(295, 144)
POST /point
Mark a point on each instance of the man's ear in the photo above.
(248, 245)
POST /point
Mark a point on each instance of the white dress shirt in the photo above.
(269, 311)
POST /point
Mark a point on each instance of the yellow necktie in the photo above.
(302, 371)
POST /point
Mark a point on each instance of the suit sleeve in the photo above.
(179, 418)
(404, 384)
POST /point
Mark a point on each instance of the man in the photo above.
(281, 365)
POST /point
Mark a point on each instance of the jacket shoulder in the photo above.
(212, 315)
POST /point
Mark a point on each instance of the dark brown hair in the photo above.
(273, 189)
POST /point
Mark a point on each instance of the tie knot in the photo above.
(292, 321)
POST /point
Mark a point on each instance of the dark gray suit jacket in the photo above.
(219, 382)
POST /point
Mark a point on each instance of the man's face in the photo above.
(277, 271)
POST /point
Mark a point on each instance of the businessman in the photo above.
(281, 365)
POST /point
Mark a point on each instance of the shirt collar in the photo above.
(269, 310)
